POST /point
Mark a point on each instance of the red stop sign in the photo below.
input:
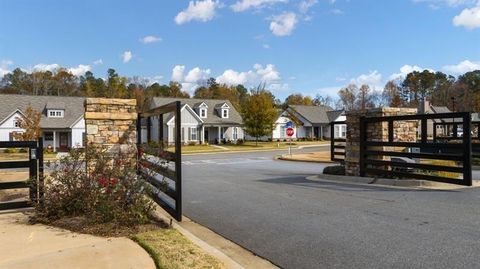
(290, 131)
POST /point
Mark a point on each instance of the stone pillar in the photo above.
(111, 123)
(405, 131)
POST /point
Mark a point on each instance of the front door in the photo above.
(63, 141)
(205, 134)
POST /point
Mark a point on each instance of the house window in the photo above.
(55, 113)
(16, 124)
(84, 139)
(344, 131)
(203, 112)
(48, 136)
(235, 133)
(193, 133)
(183, 134)
(224, 113)
(337, 131)
(282, 131)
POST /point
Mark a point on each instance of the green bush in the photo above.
(338, 170)
(10, 150)
(192, 143)
(110, 192)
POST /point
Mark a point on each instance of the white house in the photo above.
(203, 120)
(62, 122)
(312, 122)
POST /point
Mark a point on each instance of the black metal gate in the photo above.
(428, 157)
(35, 181)
(162, 163)
(337, 144)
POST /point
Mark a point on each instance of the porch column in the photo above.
(321, 132)
(54, 141)
(202, 138)
(219, 134)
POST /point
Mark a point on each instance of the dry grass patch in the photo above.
(171, 250)
(320, 157)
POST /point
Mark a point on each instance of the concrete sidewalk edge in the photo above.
(231, 254)
(394, 183)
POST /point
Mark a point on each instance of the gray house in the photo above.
(203, 120)
(62, 123)
(309, 122)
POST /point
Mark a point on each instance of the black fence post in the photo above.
(467, 151)
(363, 139)
(178, 161)
(160, 132)
(332, 141)
(390, 131)
(33, 173)
(40, 170)
(149, 129)
(424, 130)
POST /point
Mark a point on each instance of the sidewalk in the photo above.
(38, 246)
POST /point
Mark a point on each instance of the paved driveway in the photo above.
(270, 208)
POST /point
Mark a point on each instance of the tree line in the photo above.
(441, 89)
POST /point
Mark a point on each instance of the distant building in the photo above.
(310, 122)
(62, 122)
(203, 120)
(426, 108)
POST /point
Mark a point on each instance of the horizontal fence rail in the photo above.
(35, 165)
(447, 161)
(337, 145)
(162, 169)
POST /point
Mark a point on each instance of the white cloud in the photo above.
(4, 67)
(198, 11)
(462, 67)
(374, 78)
(79, 70)
(150, 39)
(46, 67)
(406, 69)
(266, 46)
(98, 62)
(284, 24)
(451, 3)
(305, 5)
(127, 56)
(267, 74)
(468, 18)
(192, 79)
(244, 5)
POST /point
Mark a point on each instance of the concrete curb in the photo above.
(385, 182)
(281, 158)
(232, 255)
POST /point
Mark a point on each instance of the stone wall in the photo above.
(404, 131)
(111, 123)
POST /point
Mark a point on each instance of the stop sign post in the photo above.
(290, 132)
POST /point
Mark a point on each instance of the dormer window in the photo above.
(202, 110)
(55, 113)
(225, 113)
(223, 110)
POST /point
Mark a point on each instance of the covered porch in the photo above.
(57, 140)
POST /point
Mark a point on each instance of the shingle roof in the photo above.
(212, 115)
(314, 114)
(74, 108)
(440, 109)
(334, 114)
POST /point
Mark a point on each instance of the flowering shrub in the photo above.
(98, 185)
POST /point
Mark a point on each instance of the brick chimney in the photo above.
(424, 106)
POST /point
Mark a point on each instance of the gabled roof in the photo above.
(334, 114)
(314, 114)
(212, 115)
(74, 108)
(440, 109)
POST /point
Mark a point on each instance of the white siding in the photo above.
(78, 131)
(8, 126)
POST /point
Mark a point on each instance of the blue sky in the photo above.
(306, 46)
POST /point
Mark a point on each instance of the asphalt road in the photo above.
(270, 208)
